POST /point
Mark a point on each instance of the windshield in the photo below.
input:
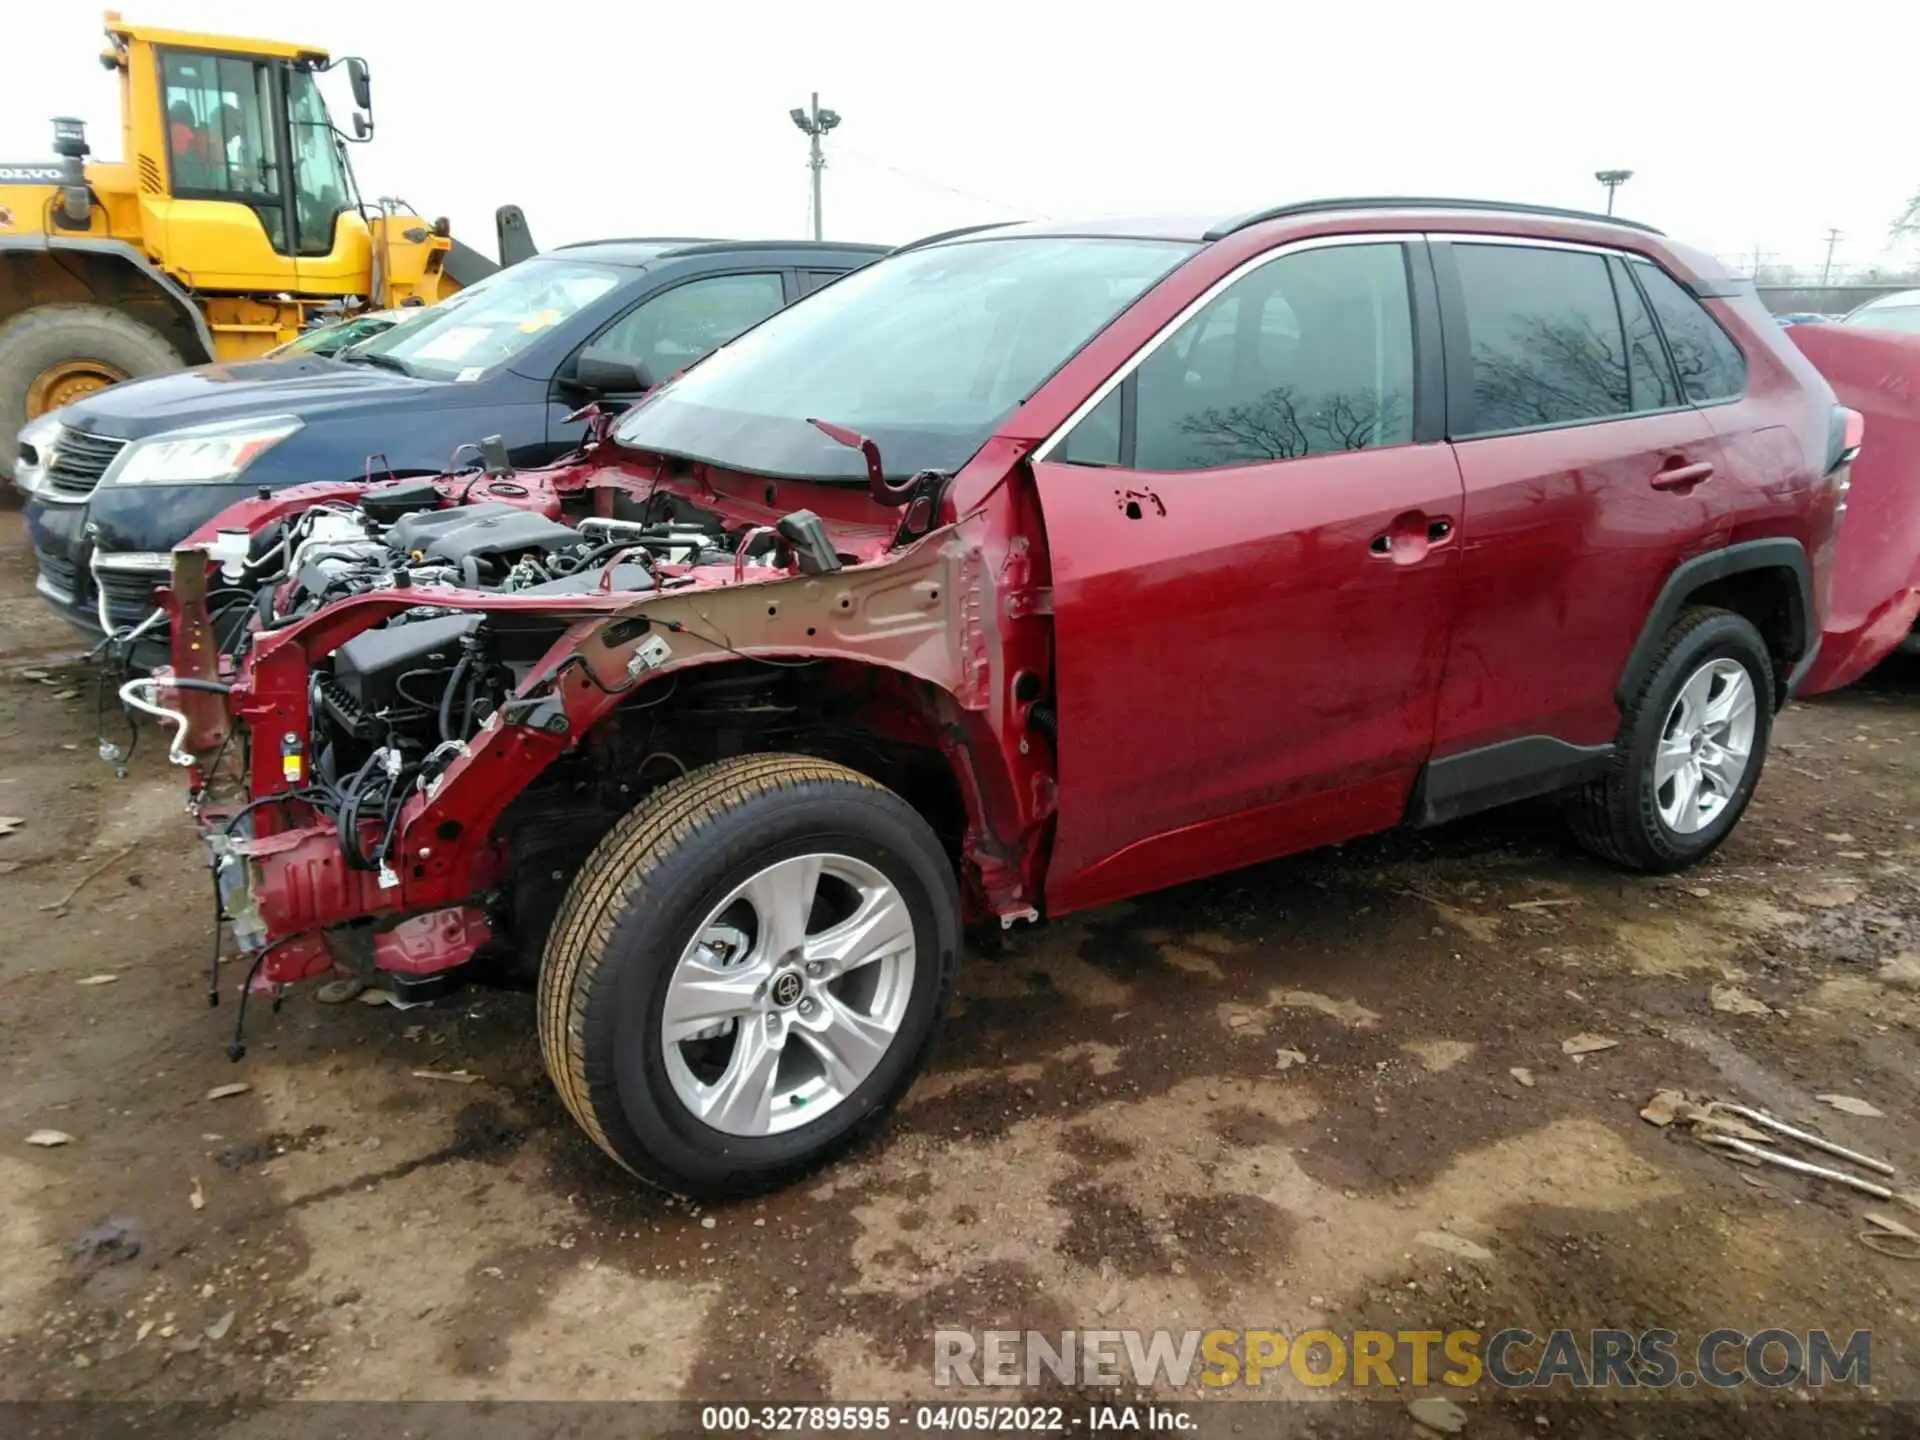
(1903, 318)
(925, 352)
(488, 324)
(332, 339)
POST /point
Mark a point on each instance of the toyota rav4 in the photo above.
(1027, 569)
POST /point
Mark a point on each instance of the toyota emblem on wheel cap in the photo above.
(787, 988)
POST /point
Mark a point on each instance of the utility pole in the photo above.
(814, 123)
(1613, 180)
(1826, 270)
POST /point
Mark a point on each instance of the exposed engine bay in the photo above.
(393, 704)
(410, 711)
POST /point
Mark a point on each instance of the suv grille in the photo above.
(129, 593)
(55, 571)
(79, 460)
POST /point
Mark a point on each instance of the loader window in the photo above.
(321, 189)
(221, 139)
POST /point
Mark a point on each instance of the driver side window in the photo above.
(673, 329)
(221, 140)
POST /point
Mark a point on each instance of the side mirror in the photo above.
(362, 127)
(601, 372)
(361, 82)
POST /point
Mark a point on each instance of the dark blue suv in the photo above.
(113, 482)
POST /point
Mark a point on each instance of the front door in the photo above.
(1255, 569)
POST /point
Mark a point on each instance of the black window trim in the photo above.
(1424, 314)
(1699, 300)
(1618, 265)
(1453, 326)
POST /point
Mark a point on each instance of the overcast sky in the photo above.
(672, 118)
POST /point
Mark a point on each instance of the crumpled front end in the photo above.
(445, 697)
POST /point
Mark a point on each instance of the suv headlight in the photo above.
(37, 441)
(199, 454)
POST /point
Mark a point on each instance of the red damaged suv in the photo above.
(1027, 569)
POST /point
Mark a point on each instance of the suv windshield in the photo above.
(926, 352)
(489, 323)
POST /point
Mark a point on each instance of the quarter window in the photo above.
(1711, 366)
(1310, 354)
(672, 330)
(1544, 333)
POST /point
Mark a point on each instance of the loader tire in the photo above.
(699, 939)
(55, 354)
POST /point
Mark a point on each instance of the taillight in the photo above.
(1844, 434)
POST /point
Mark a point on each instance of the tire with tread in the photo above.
(633, 908)
(1617, 817)
(48, 334)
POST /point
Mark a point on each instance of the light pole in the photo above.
(1613, 180)
(815, 123)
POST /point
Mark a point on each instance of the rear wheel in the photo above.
(748, 972)
(1691, 747)
(53, 355)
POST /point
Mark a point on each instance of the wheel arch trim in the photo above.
(120, 250)
(1689, 577)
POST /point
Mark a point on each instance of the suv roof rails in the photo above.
(703, 245)
(634, 240)
(1416, 202)
(712, 247)
(954, 234)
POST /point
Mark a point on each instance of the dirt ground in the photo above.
(1328, 1091)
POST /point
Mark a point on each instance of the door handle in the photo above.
(1681, 475)
(1411, 536)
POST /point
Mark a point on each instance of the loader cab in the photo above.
(254, 131)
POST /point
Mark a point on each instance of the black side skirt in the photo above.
(1496, 774)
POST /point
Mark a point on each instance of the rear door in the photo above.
(1255, 565)
(1588, 476)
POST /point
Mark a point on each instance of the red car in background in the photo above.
(1874, 591)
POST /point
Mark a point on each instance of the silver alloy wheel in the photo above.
(1705, 746)
(790, 993)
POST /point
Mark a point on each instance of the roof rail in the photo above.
(1416, 202)
(955, 234)
(635, 240)
(720, 247)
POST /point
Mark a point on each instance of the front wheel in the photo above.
(1692, 744)
(748, 972)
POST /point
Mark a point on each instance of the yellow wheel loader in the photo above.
(231, 223)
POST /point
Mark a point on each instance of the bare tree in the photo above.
(1907, 222)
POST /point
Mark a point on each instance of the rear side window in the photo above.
(1711, 366)
(1544, 333)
